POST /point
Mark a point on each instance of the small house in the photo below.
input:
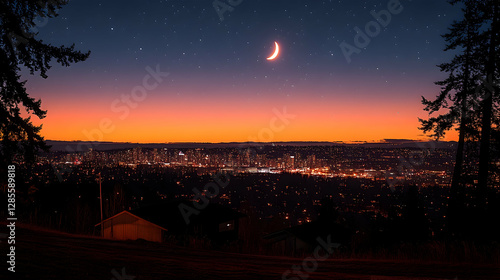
(156, 222)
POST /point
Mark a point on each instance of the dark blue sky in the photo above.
(189, 40)
(189, 36)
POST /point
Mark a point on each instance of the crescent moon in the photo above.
(276, 52)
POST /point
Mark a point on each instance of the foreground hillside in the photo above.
(50, 255)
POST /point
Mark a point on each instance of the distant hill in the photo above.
(80, 146)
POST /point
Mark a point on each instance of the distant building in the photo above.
(158, 222)
(127, 226)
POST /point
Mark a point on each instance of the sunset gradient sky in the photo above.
(220, 87)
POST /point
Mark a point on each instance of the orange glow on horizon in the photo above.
(161, 119)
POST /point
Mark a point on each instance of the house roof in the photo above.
(128, 213)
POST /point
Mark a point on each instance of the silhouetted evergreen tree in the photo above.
(490, 92)
(18, 46)
(457, 89)
(467, 97)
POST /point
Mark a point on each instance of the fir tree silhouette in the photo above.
(19, 47)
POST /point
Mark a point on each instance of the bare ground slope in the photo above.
(50, 255)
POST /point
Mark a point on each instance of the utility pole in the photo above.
(100, 200)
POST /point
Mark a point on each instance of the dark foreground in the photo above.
(50, 255)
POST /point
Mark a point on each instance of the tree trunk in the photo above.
(484, 152)
(457, 203)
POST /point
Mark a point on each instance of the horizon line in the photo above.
(383, 141)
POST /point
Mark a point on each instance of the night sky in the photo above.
(220, 86)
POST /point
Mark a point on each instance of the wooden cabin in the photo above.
(125, 226)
